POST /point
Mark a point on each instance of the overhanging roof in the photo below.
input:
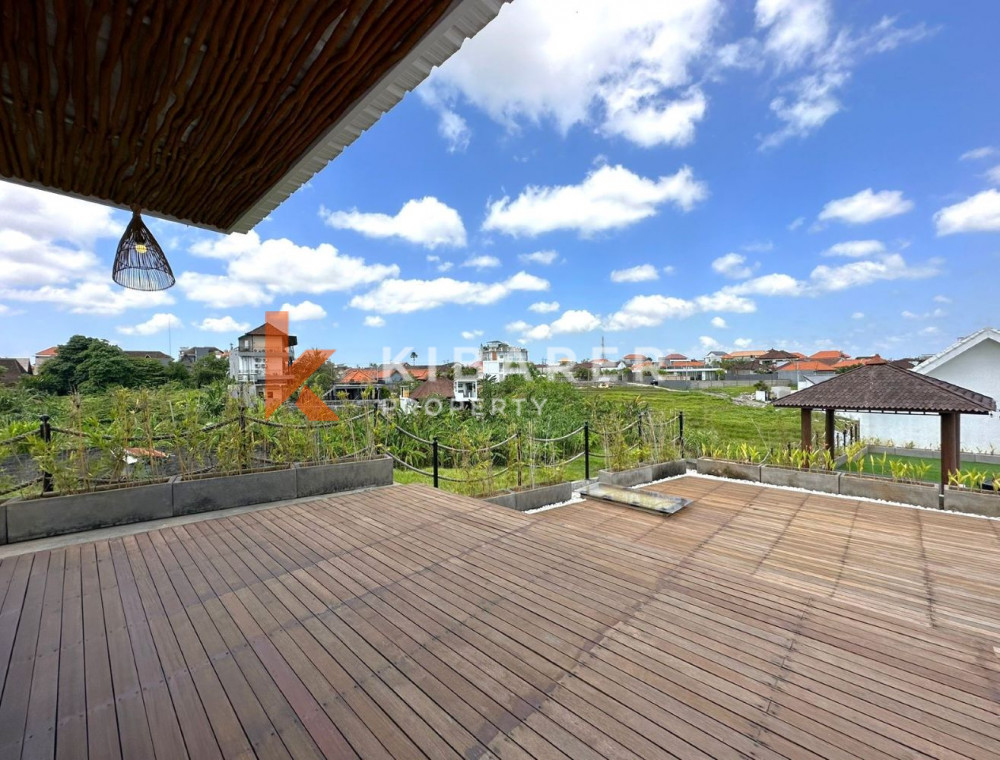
(208, 113)
(887, 388)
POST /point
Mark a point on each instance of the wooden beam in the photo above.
(807, 429)
(830, 430)
(951, 438)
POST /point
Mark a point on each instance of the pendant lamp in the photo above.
(140, 263)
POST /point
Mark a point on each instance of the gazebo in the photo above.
(893, 390)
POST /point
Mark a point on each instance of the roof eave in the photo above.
(462, 21)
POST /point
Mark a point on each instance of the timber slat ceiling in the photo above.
(192, 109)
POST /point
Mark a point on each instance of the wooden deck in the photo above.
(409, 623)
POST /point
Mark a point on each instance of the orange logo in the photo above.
(282, 379)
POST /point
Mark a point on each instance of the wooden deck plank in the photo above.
(407, 622)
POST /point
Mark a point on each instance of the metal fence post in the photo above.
(680, 423)
(640, 426)
(45, 433)
(586, 450)
(435, 449)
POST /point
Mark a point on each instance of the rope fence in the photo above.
(518, 459)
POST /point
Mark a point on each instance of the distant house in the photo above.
(159, 356)
(772, 358)
(744, 356)
(44, 355)
(972, 362)
(502, 359)
(806, 365)
(248, 360)
(12, 370)
(829, 357)
(632, 359)
(194, 353)
(714, 358)
(354, 383)
(859, 361)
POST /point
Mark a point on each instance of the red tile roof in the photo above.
(441, 387)
(806, 366)
(53, 351)
(671, 357)
(634, 356)
(691, 363)
(829, 356)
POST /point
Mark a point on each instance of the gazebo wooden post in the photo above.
(830, 429)
(807, 429)
(951, 442)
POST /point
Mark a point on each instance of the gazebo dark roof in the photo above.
(888, 388)
(441, 387)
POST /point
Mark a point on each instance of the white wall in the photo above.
(978, 369)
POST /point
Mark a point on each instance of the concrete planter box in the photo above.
(534, 498)
(645, 474)
(725, 469)
(227, 491)
(55, 515)
(812, 480)
(889, 490)
(971, 502)
(319, 479)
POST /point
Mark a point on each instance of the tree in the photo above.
(581, 372)
(208, 370)
(178, 372)
(413, 356)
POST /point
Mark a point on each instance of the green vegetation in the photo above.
(920, 469)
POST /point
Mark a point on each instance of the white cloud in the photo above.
(220, 291)
(53, 217)
(671, 123)
(978, 213)
(92, 296)
(858, 315)
(224, 324)
(545, 258)
(373, 320)
(407, 296)
(471, 334)
(930, 330)
(156, 323)
(796, 223)
(455, 131)
(439, 263)
(654, 310)
(571, 321)
(909, 315)
(708, 343)
(669, 269)
(304, 311)
(855, 248)
(544, 307)
(743, 342)
(732, 265)
(719, 323)
(942, 299)
(482, 262)
(987, 151)
(795, 28)
(767, 285)
(610, 197)
(889, 267)
(624, 68)
(427, 222)
(759, 246)
(257, 269)
(866, 206)
(801, 40)
(993, 175)
(640, 273)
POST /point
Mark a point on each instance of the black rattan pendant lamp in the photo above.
(140, 263)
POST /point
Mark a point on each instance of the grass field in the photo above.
(711, 418)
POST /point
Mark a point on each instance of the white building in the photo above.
(974, 363)
(247, 361)
(501, 359)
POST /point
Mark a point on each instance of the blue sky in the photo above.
(673, 176)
